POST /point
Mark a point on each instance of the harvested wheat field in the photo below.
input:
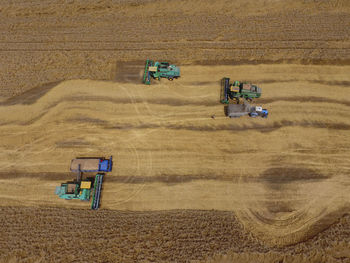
(185, 187)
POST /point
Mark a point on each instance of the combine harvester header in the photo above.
(96, 195)
(83, 189)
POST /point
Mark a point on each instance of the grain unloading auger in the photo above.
(84, 189)
(157, 70)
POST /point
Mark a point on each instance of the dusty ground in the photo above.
(70, 74)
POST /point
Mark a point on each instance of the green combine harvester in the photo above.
(237, 90)
(157, 70)
(74, 190)
(84, 189)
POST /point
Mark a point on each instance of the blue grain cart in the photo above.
(91, 165)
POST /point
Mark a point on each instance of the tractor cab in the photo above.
(105, 165)
(258, 111)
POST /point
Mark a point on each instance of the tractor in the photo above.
(239, 110)
(237, 90)
(157, 70)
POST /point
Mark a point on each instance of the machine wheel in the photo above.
(171, 79)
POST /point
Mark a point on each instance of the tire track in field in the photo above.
(175, 103)
(170, 101)
(232, 127)
(226, 127)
